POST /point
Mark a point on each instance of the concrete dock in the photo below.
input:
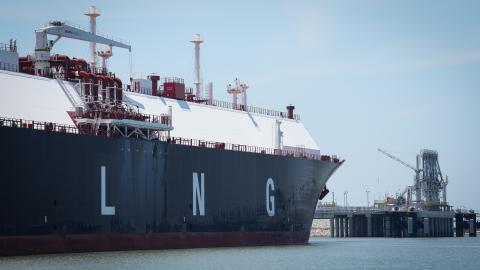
(378, 222)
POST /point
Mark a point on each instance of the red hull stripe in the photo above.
(43, 244)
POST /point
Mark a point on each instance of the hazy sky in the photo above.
(399, 75)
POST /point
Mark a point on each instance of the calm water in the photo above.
(321, 253)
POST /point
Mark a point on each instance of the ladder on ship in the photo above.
(72, 96)
(98, 120)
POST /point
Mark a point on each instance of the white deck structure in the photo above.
(42, 99)
(33, 98)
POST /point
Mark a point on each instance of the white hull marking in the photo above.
(270, 199)
(198, 195)
(106, 210)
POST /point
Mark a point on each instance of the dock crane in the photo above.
(398, 160)
(409, 189)
(43, 45)
(428, 181)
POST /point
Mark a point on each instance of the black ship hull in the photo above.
(74, 193)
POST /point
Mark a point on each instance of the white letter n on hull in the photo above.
(198, 194)
(106, 210)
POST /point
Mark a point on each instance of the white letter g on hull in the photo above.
(270, 199)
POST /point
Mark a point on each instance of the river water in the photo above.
(320, 253)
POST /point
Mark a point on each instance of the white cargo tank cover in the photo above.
(211, 123)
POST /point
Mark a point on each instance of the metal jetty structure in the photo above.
(420, 210)
(383, 222)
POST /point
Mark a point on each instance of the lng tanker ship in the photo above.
(89, 163)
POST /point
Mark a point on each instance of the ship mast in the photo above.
(93, 13)
(198, 82)
(239, 88)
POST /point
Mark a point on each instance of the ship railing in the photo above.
(247, 148)
(54, 127)
(219, 103)
(98, 33)
(173, 80)
(252, 109)
(8, 47)
(38, 125)
(164, 119)
(140, 90)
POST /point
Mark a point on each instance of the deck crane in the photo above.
(43, 46)
(409, 189)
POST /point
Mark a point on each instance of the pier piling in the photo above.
(374, 222)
